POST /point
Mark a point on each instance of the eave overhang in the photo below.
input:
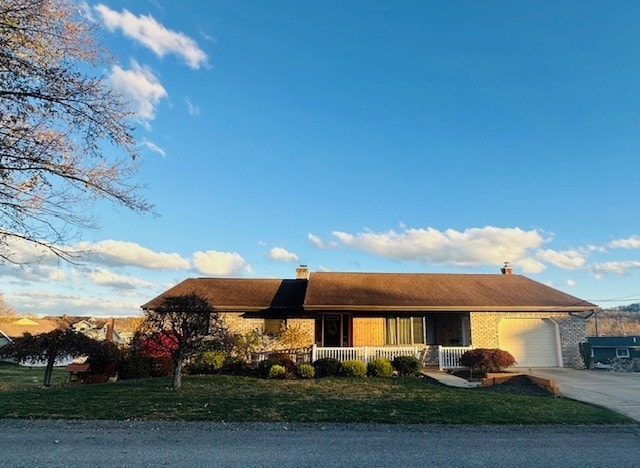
(458, 308)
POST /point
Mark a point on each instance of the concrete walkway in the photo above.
(448, 379)
(618, 391)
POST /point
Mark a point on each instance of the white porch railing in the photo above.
(449, 356)
(363, 353)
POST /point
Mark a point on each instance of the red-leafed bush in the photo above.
(159, 345)
(487, 360)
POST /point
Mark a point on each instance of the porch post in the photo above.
(465, 327)
(314, 353)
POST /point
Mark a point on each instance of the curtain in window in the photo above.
(404, 330)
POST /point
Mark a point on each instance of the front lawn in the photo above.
(344, 400)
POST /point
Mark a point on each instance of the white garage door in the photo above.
(532, 342)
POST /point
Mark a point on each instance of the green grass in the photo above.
(230, 398)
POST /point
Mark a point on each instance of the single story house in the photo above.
(539, 325)
(607, 348)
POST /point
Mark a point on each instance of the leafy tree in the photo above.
(6, 311)
(49, 347)
(179, 326)
(59, 119)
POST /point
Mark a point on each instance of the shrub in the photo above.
(380, 367)
(265, 366)
(279, 360)
(406, 365)
(487, 360)
(206, 362)
(285, 361)
(306, 371)
(277, 372)
(327, 367)
(235, 366)
(354, 369)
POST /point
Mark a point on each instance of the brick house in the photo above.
(541, 326)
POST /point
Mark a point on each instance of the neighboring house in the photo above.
(4, 339)
(539, 325)
(607, 348)
(95, 328)
(18, 328)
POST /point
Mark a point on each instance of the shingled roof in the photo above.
(397, 291)
(379, 291)
(240, 294)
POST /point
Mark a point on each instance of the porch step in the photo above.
(448, 379)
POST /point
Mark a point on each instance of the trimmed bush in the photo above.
(235, 366)
(327, 367)
(380, 367)
(206, 362)
(487, 360)
(354, 369)
(285, 361)
(279, 360)
(406, 365)
(277, 372)
(306, 371)
(265, 366)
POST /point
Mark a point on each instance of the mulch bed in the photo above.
(520, 385)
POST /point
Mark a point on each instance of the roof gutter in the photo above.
(458, 308)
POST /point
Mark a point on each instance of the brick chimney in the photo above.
(109, 333)
(507, 269)
(302, 272)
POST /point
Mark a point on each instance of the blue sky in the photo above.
(365, 136)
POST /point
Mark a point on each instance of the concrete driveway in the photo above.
(618, 391)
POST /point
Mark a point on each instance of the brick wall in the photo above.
(307, 326)
(238, 324)
(484, 331)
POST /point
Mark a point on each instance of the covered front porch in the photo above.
(445, 357)
(437, 339)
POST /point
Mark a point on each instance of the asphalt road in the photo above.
(121, 443)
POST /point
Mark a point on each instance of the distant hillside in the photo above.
(615, 322)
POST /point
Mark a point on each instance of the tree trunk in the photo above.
(48, 370)
(177, 372)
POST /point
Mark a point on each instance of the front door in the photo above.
(334, 330)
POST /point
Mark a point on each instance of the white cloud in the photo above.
(142, 86)
(153, 147)
(216, 263)
(474, 246)
(617, 268)
(632, 242)
(528, 265)
(571, 283)
(119, 253)
(103, 277)
(193, 109)
(315, 240)
(45, 303)
(281, 255)
(568, 259)
(153, 35)
(33, 272)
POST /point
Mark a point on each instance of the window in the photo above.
(622, 352)
(274, 326)
(405, 330)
